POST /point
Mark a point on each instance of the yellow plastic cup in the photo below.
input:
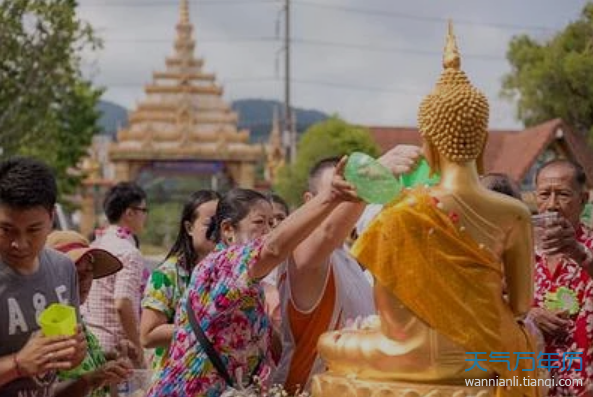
(58, 320)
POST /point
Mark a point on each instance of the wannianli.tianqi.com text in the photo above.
(523, 381)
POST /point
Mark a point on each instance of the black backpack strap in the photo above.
(207, 346)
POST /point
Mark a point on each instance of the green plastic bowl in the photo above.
(58, 320)
(420, 176)
(374, 183)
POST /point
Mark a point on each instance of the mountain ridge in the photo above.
(256, 115)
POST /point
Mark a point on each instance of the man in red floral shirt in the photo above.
(564, 262)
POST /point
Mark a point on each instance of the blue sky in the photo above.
(370, 61)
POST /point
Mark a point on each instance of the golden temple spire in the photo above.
(451, 57)
(184, 12)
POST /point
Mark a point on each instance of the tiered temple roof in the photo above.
(183, 115)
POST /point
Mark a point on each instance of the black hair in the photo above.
(276, 199)
(121, 197)
(183, 247)
(318, 168)
(233, 207)
(26, 183)
(501, 183)
(580, 177)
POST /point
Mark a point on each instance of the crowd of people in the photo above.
(245, 291)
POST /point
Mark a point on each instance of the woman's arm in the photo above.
(315, 250)
(155, 331)
(288, 235)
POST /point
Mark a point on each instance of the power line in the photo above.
(333, 7)
(312, 42)
(157, 3)
(394, 90)
(237, 80)
(373, 48)
(401, 15)
(262, 39)
(271, 79)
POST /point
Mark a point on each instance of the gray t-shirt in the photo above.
(22, 299)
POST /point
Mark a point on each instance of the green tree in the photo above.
(47, 108)
(554, 78)
(332, 137)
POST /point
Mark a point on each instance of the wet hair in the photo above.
(121, 197)
(276, 199)
(580, 178)
(26, 183)
(501, 183)
(234, 207)
(318, 168)
(183, 246)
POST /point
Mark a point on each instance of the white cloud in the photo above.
(369, 86)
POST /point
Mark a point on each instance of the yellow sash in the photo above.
(443, 276)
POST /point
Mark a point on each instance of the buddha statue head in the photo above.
(453, 118)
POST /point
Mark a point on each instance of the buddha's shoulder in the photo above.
(509, 206)
(487, 203)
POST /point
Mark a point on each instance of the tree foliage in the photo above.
(333, 137)
(47, 108)
(555, 78)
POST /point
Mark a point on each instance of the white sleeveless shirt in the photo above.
(351, 296)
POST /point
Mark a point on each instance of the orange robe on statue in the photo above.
(439, 272)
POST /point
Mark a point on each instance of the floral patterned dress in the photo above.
(580, 335)
(164, 290)
(229, 306)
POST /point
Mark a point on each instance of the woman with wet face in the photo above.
(225, 296)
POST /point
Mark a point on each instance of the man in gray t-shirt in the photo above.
(31, 278)
(22, 298)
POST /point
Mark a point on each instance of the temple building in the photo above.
(183, 126)
(181, 137)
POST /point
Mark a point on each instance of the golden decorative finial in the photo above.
(453, 118)
(451, 58)
(184, 12)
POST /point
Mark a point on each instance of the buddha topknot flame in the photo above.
(453, 118)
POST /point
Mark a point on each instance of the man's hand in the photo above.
(341, 190)
(42, 354)
(127, 350)
(81, 347)
(112, 373)
(551, 324)
(559, 238)
(401, 159)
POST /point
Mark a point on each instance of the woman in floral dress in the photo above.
(167, 282)
(226, 296)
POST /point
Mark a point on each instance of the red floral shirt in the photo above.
(580, 336)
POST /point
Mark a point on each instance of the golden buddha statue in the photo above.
(439, 257)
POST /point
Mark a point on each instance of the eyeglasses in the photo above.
(143, 209)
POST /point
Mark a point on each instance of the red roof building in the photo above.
(516, 153)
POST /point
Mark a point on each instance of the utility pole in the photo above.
(289, 128)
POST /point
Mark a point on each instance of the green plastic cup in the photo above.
(420, 176)
(374, 183)
(58, 320)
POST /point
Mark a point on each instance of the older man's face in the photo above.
(558, 191)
